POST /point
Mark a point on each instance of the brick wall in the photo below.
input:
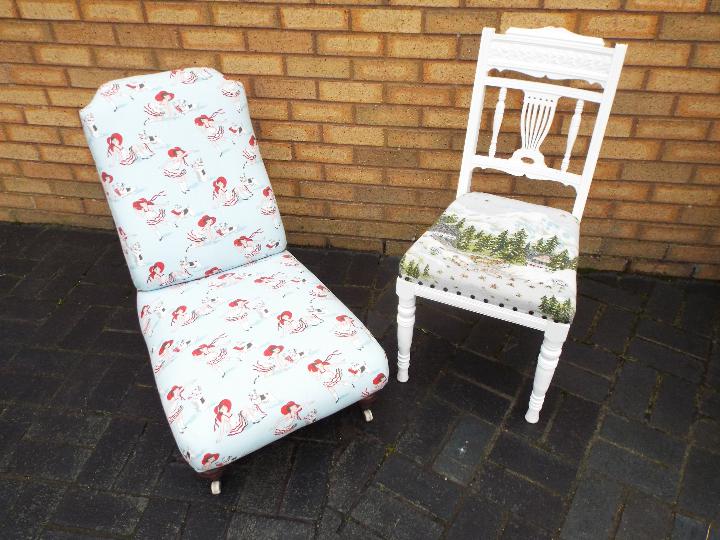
(360, 108)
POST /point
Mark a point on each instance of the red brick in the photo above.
(112, 10)
(48, 9)
(387, 20)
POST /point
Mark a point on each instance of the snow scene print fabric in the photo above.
(510, 253)
(180, 166)
(247, 356)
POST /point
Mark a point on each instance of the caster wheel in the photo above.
(367, 413)
(215, 487)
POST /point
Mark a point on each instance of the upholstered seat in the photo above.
(243, 357)
(503, 251)
(246, 344)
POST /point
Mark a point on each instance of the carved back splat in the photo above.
(554, 53)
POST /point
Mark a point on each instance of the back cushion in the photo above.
(181, 170)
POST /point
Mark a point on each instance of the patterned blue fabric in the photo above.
(244, 357)
(180, 165)
(246, 344)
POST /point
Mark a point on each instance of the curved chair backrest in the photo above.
(557, 54)
(180, 166)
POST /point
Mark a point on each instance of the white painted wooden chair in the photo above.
(502, 257)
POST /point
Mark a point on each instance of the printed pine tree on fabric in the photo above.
(558, 311)
(510, 248)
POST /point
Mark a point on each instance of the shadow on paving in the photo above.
(628, 444)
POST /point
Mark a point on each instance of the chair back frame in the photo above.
(557, 54)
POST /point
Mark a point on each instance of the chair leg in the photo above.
(365, 405)
(215, 477)
(550, 350)
(406, 324)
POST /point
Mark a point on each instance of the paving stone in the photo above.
(144, 402)
(609, 294)
(19, 308)
(522, 349)
(77, 388)
(528, 501)
(353, 297)
(124, 319)
(60, 323)
(427, 489)
(87, 329)
(515, 421)
(710, 403)
(633, 469)
(477, 518)
(515, 454)
(488, 337)
(701, 484)
(111, 452)
(146, 461)
(633, 389)
(206, 521)
(352, 471)
(49, 534)
(307, 485)
(700, 313)
(614, 329)
(264, 481)
(593, 508)
(18, 331)
(486, 372)
(387, 515)
(687, 528)
(162, 519)
(363, 269)
(68, 428)
(643, 439)
(674, 408)
(674, 337)
(49, 362)
(43, 459)
(589, 357)
(665, 301)
(472, 398)
(517, 530)
(706, 434)
(581, 382)
(333, 526)
(103, 512)
(464, 449)
(666, 360)
(116, 382)
(572, 427)
(128, 343)
(438, 320)
(585, 314)
(427, 429)
(252, 526)
(643, 518)
(34, 503)
(10, 434)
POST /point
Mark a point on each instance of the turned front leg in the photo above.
(406, 324)
(550, 350)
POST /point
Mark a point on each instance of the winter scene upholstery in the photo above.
(188, 191)
(247, 356)
(246, 344)
(506, 252)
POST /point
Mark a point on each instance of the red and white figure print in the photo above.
(290, 418)
(157, 274)
(378, 382)
(150, 316)
(222, 195)
(269, 207)
(251, 149)
(132, 249)
(191, 75)
(246, 314)
(176, 417)
(213, 354)
(226, 423)
(152, 211)
(114, 189)
(347, 328)
(167, 352)
(329, 374)
(165, 107)
(177, 167)
(88, 121)
(213, 129)
(248, 245)
(118, 94)
(208, 230)
(231, 89)
(287, 324)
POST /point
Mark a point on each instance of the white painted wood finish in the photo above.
(554, 53)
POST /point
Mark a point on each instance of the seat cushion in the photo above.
(179, 162)
(510, 253)
(247, 356)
